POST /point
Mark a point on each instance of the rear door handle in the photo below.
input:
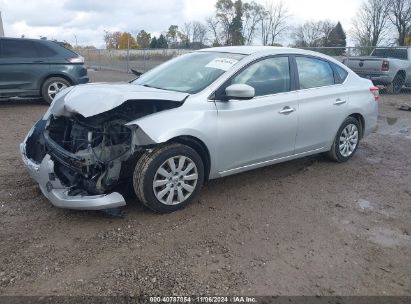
(339, 101)
(286, 110)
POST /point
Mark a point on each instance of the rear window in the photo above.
(314, 73)
(390, 53)
(18, 49)
(64, 50)
(341, 74)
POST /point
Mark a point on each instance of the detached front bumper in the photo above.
(57, 193)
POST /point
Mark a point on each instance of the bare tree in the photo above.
(186, 33)
(229, 16)
(370, 23)
(252, 14)
(213, 27)
(273, 22)
(326, 29)
(236, 22)
(199, 34)
(309, 34)
(400, 16)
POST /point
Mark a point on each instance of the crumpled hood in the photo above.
(96, 98)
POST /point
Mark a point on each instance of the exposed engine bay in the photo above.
(93, 155)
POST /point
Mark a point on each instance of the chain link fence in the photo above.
(388, 67)
(140, 60)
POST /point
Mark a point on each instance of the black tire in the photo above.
(396, 85)
(146, 170)
(50, 82)
(335, 153)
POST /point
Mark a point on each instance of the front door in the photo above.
(263, 128)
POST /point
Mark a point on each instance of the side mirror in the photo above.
(240, 91)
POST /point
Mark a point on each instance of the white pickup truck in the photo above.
(389, 67)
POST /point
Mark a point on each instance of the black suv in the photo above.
(32, 67)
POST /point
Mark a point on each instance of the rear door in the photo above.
(21, 67)
(322, 103)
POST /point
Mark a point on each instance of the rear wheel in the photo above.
(168, 178)
(396, 85)
(346, 141)
(52, 86)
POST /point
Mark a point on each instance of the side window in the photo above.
(18, 49)
(267, 76)
(44, 50)
(314, 73)
(341, 73)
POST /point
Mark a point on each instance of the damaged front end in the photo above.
(89, 152)
(79, 161)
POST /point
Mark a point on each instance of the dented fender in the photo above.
(183, 121)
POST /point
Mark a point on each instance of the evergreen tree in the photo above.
(153, 43)
(337, 38)
(162, 42)
(237, 25)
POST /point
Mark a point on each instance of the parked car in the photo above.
(33, 68)
(200, 116)
(389, 67)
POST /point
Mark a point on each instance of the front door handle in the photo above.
(339, 101)
(286, 110)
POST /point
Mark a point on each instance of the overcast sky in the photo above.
(87, 19)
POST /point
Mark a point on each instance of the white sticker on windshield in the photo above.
(221, 63)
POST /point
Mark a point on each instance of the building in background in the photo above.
(1, 27)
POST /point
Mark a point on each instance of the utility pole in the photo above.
(1, 27)
(128, 52)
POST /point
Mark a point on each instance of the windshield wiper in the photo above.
(149, 86)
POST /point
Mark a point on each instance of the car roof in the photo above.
(249, 50)
(32, 39)
(267, 50)
(57, 46)
(16, 38)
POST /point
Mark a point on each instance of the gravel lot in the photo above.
(305, 227)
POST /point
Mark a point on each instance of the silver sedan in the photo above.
(200, 116)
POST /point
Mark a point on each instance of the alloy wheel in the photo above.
(175, 180)
(55, 87)
(348, 140)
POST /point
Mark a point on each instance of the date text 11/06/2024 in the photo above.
(203, 299)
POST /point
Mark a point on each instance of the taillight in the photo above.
(385, 65)
(376, 92)
(78, 59)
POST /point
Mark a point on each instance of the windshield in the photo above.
(390, 53)
(189, 73)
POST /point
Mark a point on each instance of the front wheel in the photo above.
(346, 141)
(168, 178)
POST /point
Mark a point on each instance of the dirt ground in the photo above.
(305, 227)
